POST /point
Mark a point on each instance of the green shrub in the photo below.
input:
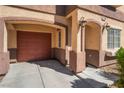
(120, 64)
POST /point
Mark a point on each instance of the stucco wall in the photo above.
(20, 13)
(92, 36)
(12, 38)
(33, 27)
(1, 34)
(7, 11)
(5, 38)
(40, 8)
(113, 23)
(4, 55)
(117, 25)
(74, 31)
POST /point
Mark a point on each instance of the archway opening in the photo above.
(92, 43)
(48, 41)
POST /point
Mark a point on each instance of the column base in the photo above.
(4, 62)
(77, 61)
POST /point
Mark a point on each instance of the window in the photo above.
(113, 38)
(59, 38)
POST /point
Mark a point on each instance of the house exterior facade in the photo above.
(75, 35)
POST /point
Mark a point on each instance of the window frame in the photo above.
(113, 34)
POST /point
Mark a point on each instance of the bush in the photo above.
(120, 64)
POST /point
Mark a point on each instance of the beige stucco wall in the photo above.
(48, 21)
(113, 23)
(74, 31)
(36, 28)
(79, 40)
(7, 11)
(12, 34)
(63, 39)
(5, 38)
(117, 25)
(12, 40)
(121, 8)
(92, 36)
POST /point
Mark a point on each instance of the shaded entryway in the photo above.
(92, 42)
(33, 40)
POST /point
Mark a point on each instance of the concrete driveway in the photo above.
(43, 74)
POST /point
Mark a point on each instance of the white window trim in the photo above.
(112, 51)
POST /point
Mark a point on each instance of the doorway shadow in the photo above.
(87, 83)
(110, 76)
(54, 65)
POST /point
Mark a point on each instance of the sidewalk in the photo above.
(97, 78)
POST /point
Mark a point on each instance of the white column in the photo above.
(1, 34)
(5, 39)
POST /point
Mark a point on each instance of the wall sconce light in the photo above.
(106, 26)
(82, 22)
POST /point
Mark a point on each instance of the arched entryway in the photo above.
(92, 42)
(38, 39)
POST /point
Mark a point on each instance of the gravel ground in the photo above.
(112, 69)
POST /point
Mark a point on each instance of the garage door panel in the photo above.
(33, 46)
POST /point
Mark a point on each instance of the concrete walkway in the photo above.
(48, 74)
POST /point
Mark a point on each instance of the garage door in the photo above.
(33, 46)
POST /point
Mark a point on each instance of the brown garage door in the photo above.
(33, 46)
